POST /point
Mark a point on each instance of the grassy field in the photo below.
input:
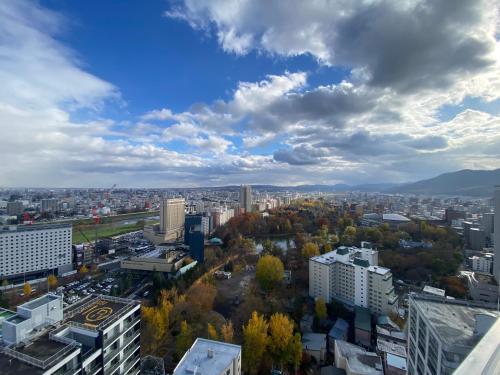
(104, 230)
(112, 219)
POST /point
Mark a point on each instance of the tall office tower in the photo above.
(496, 230)
(209, 357)
(49, 205)
(194, 236)
(246, 197)
(14, 208)
(442, 332)
(352, 276)
(98, 336)
(172, 216)
(35, 249)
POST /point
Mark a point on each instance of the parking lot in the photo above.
(76, 290)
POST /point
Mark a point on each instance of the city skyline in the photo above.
(185, 94)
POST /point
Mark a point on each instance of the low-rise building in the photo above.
(482, 263)
(355, 360)
(209, 357)
(314, 345)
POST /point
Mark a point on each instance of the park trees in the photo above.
(310, 249)
(269, 271)
(227, 332)
(184, 339)
(255, 339)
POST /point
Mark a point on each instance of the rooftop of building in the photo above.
(208, 357)
(34, 227)
(453, 320)
(33, 304)
(339, 329)
(314, 341)
(98, 311)
(360, 361)
(44, 347)
(362, 318)
(395, 217)
(337, 255)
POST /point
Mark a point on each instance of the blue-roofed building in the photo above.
(339, 331)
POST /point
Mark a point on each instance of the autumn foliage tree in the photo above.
(227, 332)
(280, 335)
(309, 250)
(52, 281)
(269, 271)
(184, 339)
(320, 308)
(255, 341)
(212, 332)
(27, 290)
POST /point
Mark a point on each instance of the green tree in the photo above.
(320, 308)
(269, 271)
(255, 340)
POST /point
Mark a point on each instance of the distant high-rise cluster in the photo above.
(246, 198)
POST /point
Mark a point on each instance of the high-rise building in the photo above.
(49, 205)
(352, 276)
(209, 357)
(496, 265)
(246, 198)
(442, 332)
(194, 236)
(98, 336)
(33, 249)
(172, 216)
(14, 208)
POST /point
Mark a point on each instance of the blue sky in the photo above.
(203, 93)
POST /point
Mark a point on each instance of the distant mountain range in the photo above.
(473, 183)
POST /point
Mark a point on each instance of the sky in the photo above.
(211, 93)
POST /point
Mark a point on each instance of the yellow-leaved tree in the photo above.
(27, 289)
(212, 332)
(310, 249)
(52, 281)
(269, 271)
(227, 332)
(184, 339)
(280, 336)
(255, 341)
(320, 308)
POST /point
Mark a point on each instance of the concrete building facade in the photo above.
(172, 216)
(246, 198)
(30, 249)
(442, 332)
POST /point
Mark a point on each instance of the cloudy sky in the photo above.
(204, 93)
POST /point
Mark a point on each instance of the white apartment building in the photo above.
(209, 357)
(352, 276)
(483, 263)
(172, 216)
(442, 332)
(98, 336)
(30, 249)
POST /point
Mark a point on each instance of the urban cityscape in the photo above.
(249, 188)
